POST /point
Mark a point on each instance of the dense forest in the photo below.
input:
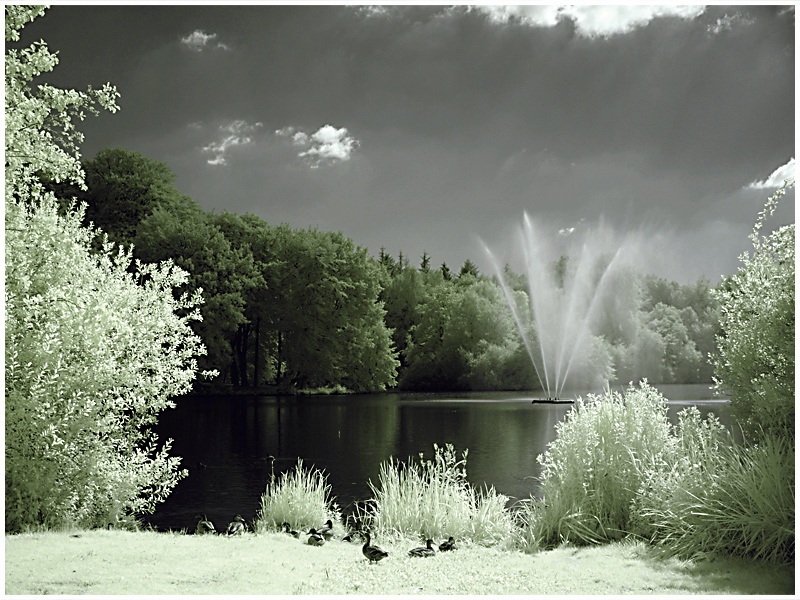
(307, 309)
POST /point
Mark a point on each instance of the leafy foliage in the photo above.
(93, 347)
(301, 308)
(93, 352)
(755, 362)
(41, 138)
(223, 273)
(123, 188)
(326, 315)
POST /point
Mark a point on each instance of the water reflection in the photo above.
(231, 445)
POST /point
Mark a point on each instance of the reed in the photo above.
(433, 499)
(300, 497)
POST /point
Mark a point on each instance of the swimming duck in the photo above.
(288, 529)
(373, 553)
(327, 530)
(204, 526)
(448, 545)
(428, 550)
(315, 539)
(237, 526)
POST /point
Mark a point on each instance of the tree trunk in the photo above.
(280, 359)
(257, 360)
(240, 354)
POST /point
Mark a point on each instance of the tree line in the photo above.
(308, 309)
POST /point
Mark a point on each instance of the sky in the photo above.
(435, 129)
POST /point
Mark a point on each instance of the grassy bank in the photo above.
(118, 562)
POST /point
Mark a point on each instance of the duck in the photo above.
(237, 526)
(352, 537)
(204, 526)
(327, 530)
(372, 552)
(428, 550)
(315, 539)
(450, 544)
(288, 529)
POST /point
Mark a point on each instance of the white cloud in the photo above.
(326, 145)
(542, 16)
(373, 10)
(198, 40)
(591, 20)
(729, 22)
(232, 135)
(612, 20)
(776, 178)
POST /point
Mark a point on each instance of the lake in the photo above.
(232, 444)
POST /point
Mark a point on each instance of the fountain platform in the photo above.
(553, 401)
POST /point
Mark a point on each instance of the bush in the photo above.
(739, 501)
(94, 346)
(693, 458)
(755, 362)
(300, 497)
(93, 354)
(593, 469)
(433, 499)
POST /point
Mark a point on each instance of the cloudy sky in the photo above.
(434, 129)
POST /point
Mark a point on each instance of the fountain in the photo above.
(563, 305)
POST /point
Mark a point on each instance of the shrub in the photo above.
(433, 499)
(300, 497)
(593, 469)
(695, 456)
(755, 362)
(740, 502)
(94, 345)
(93, 354)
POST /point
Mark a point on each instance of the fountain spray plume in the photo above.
(514, 311)
(563, 303)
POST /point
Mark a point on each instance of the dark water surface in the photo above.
(232, 444)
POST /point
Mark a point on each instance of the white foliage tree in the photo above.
(94, 348)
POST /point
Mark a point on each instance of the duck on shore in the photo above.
(204, 526)
(315, 539)
(372, 552)
(237, 526)
(288, 529)
(326, 530)
(450, 544)
(428, 550)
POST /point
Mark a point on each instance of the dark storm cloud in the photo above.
(684, 97)
(435, 125)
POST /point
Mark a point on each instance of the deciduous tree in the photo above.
(755, 362)
(93, 348)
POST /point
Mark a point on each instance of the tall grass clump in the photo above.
(300, 497)
(739, 502)
(593, 469)
(695, 456)
(433, 499)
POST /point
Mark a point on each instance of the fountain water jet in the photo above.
(563, 306)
